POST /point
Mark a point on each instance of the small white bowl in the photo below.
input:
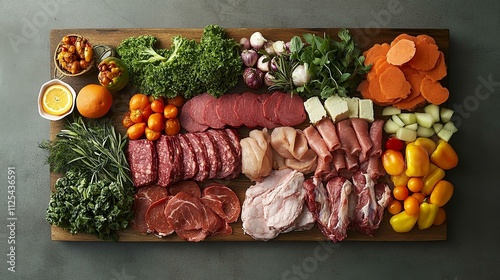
(40, 96)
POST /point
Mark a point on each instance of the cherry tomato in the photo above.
(157, 106)
(419, 196)
(152, 135)
(170, 111)
(172, 126)
(393, 162)
(138, 101)
(441, 193)
(394, 143)
(156, 122)
(136, 116)
(440, 218)
(136, 131)
(415, 184)
(177, 101)
(126, 121)
(394, 207)
(400, 192)
(411, 205)
(146, 112)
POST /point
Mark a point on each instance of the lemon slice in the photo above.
(57, 100)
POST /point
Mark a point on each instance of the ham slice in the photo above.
(360, 127)
(348, 139)
(328, 131)
(317, 143)
(376, 130)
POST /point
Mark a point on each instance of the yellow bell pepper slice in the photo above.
(444, 156)
(434, 176)
(403, 222)
(417, 161)
(428, 144)
(427, 215)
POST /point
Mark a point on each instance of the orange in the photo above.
(94, 101)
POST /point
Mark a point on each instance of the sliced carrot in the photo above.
(393, 84)
(401, 52)
(425, 57)
(415, 80)
(381, 67)
(363, 89)
(428, 39)
(433, 91)
(439, 71)
(410, 105)
(403, 36)
(375, 51)
(376, 64)
(376, 94)
(407, 70)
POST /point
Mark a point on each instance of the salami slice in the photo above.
(226, 152)
(210, 147)
(143, 162)
(189, 158)
(201, 157)
(165, 150)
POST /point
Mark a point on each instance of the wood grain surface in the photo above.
(112, 37)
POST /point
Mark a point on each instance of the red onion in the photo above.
(263, 66)
(269, 79)
(244, 43)
(257, 40)
(249, 57)
(253, 77)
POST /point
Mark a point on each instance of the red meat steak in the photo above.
(189, 187)
(244, 108)
(271, 106)
(258, 112)
(225, 109)
(198, 104)
(290, 111)
(185, 212)
(229, 207)
(210, 115)
(156, 219)
(187, 122)
(142, 200)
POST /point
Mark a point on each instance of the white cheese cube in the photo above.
(353, 105)
(314, 109)
(337, 108)
(366, 110)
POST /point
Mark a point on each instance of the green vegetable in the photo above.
(187, 68)
(100, 208)
(96, 194)
(335, 67)
(94, 148)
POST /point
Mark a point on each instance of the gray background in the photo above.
(471, 251)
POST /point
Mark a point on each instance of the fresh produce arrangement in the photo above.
(303, 133)
(74, 55)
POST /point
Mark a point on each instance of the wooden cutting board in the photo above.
(112, 37)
